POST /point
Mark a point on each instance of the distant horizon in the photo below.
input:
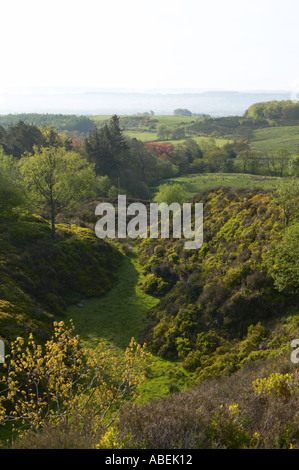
(169, 90)
(129, 101)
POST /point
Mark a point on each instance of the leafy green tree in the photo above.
(279, 161)
(182, 112)
(53, 139)
(163, 132)
(57, 180)
(178, 133)
(179, 158)
(277, 111)
(11, 194)
(283, 260)
(217, 158)
(233, 148)
(293, 166)
(171, 193)
(287, 199)
(208, 145)
(2, 135)
(147, 163)
(188, 150)
(227, 166)
(245, 157)
(105, 187)
(166, 169)
(250, 160)
(183, 154)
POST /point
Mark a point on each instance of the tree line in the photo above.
(42, 168)
(61, 122)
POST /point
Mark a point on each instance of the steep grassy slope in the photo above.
(271, 139)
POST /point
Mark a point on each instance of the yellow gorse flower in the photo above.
(50, 384)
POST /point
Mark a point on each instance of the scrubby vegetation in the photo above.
(219, 321)
(219, 304)
(44, 385)
(71, 124)
(255, 408)
(40, 277)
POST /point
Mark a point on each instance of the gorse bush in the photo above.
(284, 385)
(62, 383)
(225, 287)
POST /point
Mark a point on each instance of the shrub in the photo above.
(283, 260)
(284, 385)
(52, 385)
(227, 428)
(154, 285)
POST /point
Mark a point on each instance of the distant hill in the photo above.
(95, 102)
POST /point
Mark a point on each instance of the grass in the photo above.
(144, 134)
(273, 138)
(194, 184)
(152, 137)
(119, 315)
(220, 142)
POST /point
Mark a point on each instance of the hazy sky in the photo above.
(210, 44)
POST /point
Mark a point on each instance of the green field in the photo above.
(267, 139)
(144, 134)
(273, 138)
(152, 137)
(194, 184)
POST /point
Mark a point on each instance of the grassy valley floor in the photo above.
(119, 315)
